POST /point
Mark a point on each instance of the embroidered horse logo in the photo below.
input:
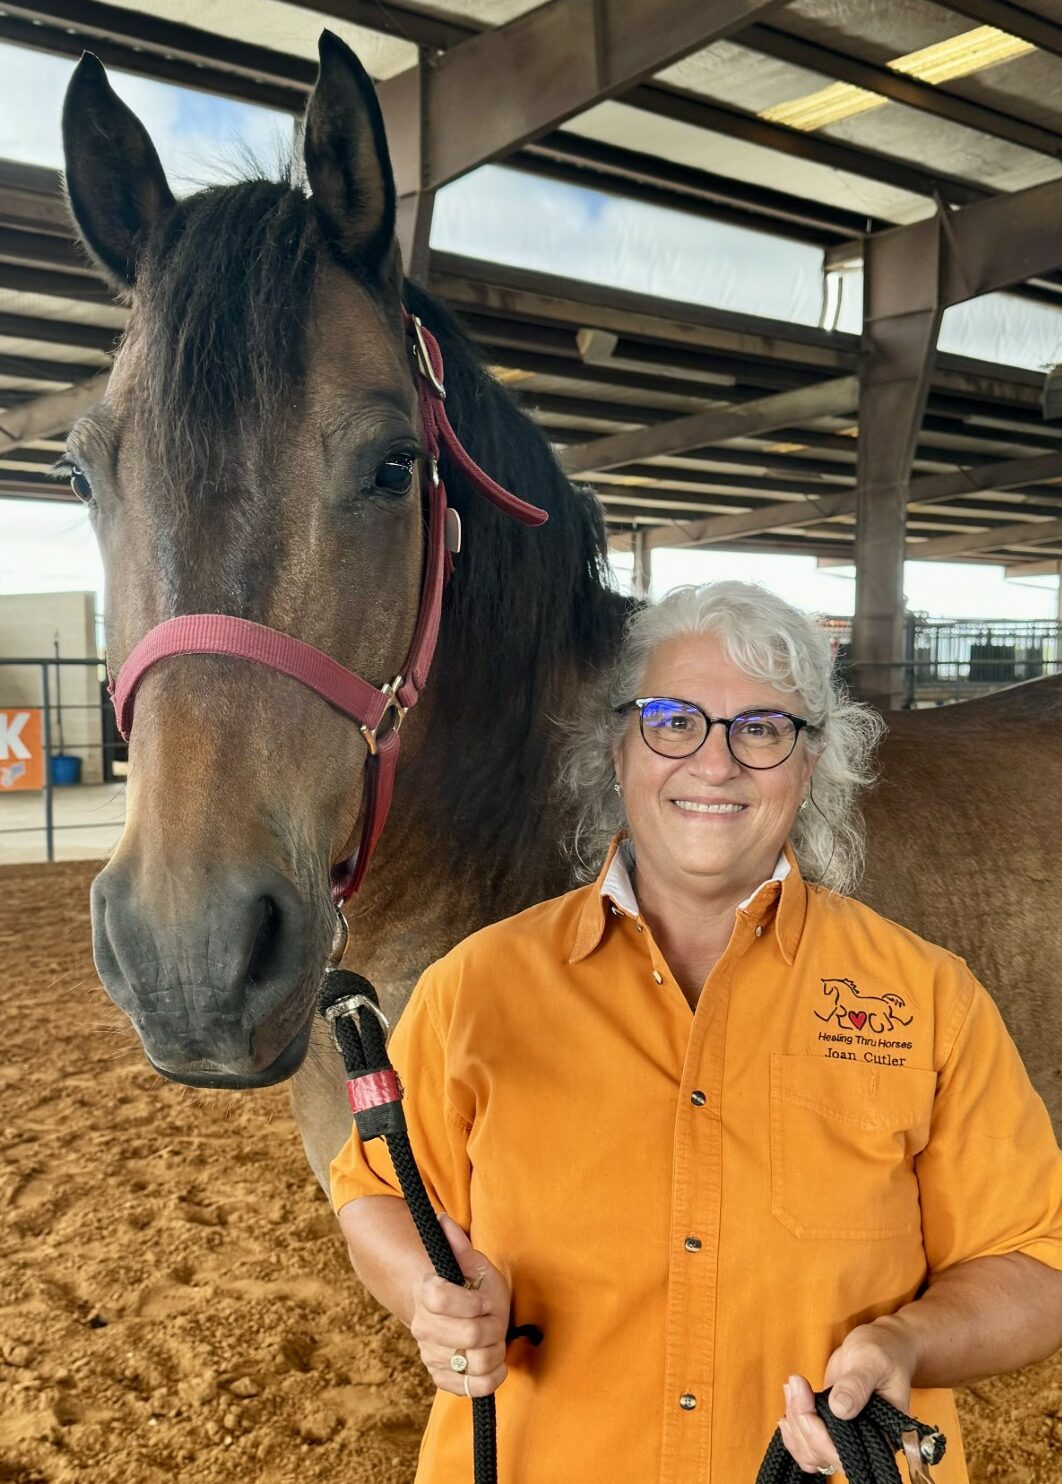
(846, 1010)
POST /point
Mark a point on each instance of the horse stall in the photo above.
(740, 344)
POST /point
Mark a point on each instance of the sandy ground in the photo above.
(174, 1301)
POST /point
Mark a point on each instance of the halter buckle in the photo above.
(424, 365)
(390, 690)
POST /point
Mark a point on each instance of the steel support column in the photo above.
(902, 309)
(642, 577)
(407, 125)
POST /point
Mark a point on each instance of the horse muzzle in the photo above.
(219, 980)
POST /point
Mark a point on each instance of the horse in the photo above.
(259, 453)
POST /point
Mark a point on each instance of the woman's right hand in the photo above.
(475, 1321)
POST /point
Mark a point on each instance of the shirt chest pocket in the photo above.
(844, 1136)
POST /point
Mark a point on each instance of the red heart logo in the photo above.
(858, 1018)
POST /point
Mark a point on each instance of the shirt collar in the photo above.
(785, 890)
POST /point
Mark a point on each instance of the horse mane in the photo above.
(505, 570)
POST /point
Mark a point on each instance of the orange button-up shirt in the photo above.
(693, 1204)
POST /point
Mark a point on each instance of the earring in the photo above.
(616, 785)
(803, 806)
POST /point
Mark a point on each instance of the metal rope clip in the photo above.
(348, 1005)
(916, 1451)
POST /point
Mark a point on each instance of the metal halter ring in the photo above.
(347, 1006)
(390, 690)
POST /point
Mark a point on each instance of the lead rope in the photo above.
(375, 1095)
(866, 1445)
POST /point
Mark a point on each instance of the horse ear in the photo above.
(347, 161)
(115, 182)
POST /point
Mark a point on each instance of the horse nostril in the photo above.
(267, 942)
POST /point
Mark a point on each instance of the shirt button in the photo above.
(658, 976)
(759, 930)
(687, 1401)
(693, 1244)
(698, 1099)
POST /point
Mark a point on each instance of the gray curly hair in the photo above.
(771, 641)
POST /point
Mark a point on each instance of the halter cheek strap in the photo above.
(378, 712)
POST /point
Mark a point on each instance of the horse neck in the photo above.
(527, 618)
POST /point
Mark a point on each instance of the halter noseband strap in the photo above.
(369, 707)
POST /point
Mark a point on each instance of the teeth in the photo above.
(693, 808)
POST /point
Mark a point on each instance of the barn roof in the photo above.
(818, 122)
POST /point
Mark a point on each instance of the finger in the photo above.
(447, 1380)
(469, 1259)
(441, 1297)
(816, 1441)
(850, 1393)
(456, 1334)
(799, 1396)
(795, 1447)
(809, 1459)
(481, 1362)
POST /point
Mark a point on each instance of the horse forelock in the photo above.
(220, 312)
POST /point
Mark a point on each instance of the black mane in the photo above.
(223, 297)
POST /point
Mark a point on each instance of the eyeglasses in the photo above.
(756, 739)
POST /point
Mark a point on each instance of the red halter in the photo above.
(219, 633)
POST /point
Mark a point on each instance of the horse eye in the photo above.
(395, 475)
(79, 483)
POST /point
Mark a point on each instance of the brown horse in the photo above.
(259, 454)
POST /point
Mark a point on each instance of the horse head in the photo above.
(257, 454)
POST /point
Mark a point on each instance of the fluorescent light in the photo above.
(959, 56)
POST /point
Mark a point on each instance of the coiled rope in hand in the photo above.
(350, 1005)
(866, 1445)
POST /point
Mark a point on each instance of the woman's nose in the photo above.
(714, 758)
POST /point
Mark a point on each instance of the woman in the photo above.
(722, 1133)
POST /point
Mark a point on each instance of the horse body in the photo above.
(249, 460)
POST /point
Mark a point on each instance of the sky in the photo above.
(533, 223)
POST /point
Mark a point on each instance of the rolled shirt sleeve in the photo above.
(990, 1177)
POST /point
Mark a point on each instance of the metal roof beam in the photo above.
(486, 96)
(168, 50)
(702, 429)
(46, 416)
(58, 332)
(1027, 533)
(704, 113)
(1008, 474)
(1015, 19)
(799, 52)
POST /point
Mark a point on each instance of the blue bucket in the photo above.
(66, 769)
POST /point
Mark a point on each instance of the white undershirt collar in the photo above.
(617, 886)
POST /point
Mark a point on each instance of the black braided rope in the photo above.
(866, 1445)
(367, 1052)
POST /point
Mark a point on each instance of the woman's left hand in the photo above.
(874, 1357)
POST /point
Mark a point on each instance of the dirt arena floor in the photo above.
(174, 1301)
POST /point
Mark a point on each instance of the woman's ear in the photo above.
(115, 182)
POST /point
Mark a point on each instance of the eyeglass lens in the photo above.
(759, 739)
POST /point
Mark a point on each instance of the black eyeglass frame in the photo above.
(640, 702)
